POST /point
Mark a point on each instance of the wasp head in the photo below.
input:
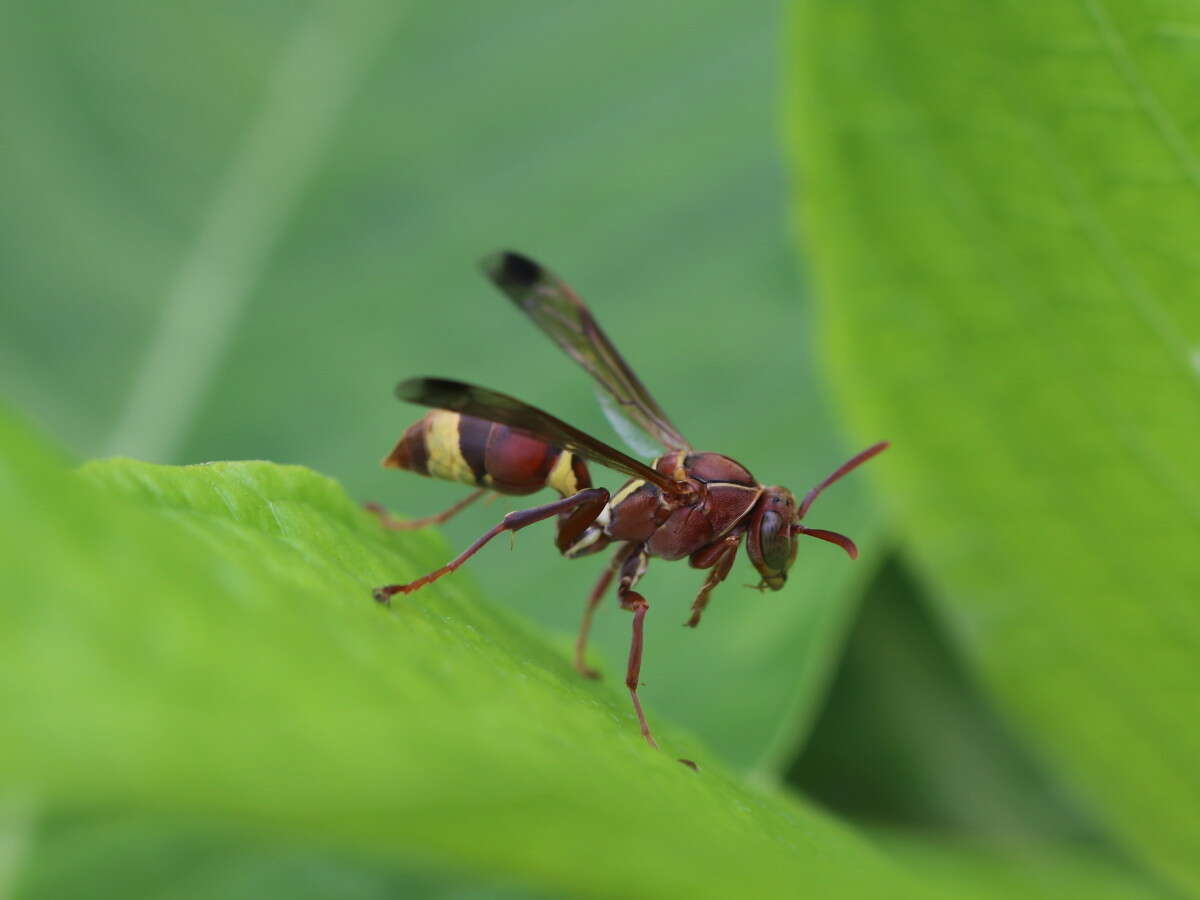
(775, 522)
(770, 542)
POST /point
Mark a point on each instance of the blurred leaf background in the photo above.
(1012, 254)
(242, 225)
(230, 228)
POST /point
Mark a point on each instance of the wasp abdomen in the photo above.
(454, 447)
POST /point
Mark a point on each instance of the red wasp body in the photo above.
(462, 448)
(684, 504)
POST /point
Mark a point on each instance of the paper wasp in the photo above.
(683, 504)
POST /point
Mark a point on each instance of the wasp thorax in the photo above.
(694, 493)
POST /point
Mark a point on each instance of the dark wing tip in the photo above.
(441, 393)
(512, 271)
(409, 388)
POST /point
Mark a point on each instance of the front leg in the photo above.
(718, 558)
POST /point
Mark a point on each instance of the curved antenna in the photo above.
(832, 536)
(848, 466)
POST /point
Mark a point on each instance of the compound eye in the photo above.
(775, 541)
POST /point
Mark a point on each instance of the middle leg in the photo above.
(589, 610)
(632, 569)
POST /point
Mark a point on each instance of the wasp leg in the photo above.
(589, 610)
(575, 522)
(718, 558)
(632, 569)
(397, 525)
(582, 505)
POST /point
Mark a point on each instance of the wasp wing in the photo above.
(559, 312)
(635, 437)
(472, 400)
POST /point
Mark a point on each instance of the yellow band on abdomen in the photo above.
(441, 443)
(562, 475)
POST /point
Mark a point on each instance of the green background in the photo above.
(218, 269)
(228, 229)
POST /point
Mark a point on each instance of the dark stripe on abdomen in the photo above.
(473, 436)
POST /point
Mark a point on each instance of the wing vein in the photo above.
(559, 312)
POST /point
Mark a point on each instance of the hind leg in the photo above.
(444, 516)
(582, 505)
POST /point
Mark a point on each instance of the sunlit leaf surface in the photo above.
(200, 642)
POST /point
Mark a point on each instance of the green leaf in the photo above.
(1000, 206)
(907, 739)
(990, 873)
(141, 856)
(231, 228)
(201, 643)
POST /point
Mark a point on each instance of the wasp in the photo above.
(684, 504)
